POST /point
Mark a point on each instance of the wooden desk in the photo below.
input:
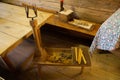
(15, 27)
(54, 20)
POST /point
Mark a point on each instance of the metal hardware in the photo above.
(27, 12)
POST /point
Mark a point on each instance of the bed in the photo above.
(108, 35)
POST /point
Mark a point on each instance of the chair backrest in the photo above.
(21, 57)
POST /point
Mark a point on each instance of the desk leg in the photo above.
(82, 68)
(81, 71)
(39, 72)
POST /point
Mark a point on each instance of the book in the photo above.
(82, 24)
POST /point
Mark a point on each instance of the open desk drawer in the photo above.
(65, 57)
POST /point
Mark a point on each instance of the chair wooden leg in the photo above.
(39, 72)
(81, 71)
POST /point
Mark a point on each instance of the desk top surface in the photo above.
(14, 26)
(54, 20)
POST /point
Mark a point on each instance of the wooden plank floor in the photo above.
(105, 66)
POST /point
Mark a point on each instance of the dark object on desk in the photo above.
(66, 15)
(61, 5)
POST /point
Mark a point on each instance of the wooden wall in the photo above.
(92, 10)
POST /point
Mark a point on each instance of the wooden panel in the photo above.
(92, 15)
(6, 41)
(17, 14)
(13, 13)
(104, 5)
(18, 23)
(12, 1)
(101, 9)
(42, 17)
(13, 29)
(50, 5)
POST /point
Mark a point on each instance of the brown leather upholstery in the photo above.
(21, 57)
